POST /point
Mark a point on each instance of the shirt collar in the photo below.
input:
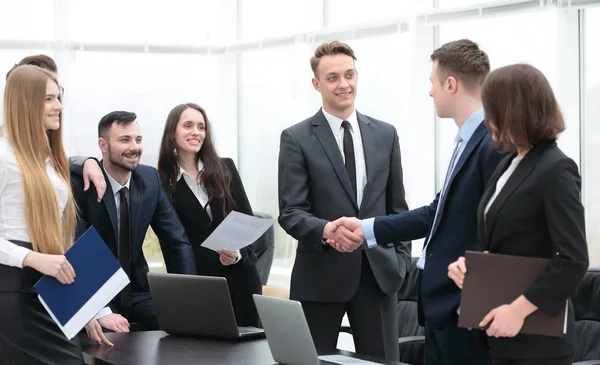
(182, 171)
(336, 123)
(114, 184)
(471, 124)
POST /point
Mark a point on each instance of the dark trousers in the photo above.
(28, 335)
(455, 346)
(142, 311)
(243, 282)
(560, 361)
(372, 316)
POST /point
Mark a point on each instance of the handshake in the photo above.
(344, 234)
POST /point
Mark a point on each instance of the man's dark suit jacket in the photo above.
(149, 206)
(455, 230)
(538, 213)
(314, 188)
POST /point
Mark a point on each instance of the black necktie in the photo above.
(349, 155)
(125, 251)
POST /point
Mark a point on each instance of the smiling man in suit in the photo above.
(134, 200)
(337, 163)
(449, 223)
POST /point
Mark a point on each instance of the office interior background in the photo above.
(247, 63)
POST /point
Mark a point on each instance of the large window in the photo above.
(591, 136)
(350, 12)
(27, 20)
(173, 22)
(263, 19)
(149, 85)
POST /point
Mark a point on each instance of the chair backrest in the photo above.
(408, 317)
(586, 303)
(264, 248)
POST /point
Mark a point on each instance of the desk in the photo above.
(157, 347)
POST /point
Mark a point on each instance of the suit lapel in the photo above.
(485, 198)
(190, 204)
(523, 170)
(370, 154)
(327, 140)
(109, 203)
(474, 141)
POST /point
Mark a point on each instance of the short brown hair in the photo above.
(39, 60)
(330, 49)
(464, 60)
(520, 107)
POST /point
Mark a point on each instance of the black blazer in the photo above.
(199, 226)
(149, 206)
(314, 188)
(538, 213)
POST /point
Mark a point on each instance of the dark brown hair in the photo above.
(463, 60)
(520, 107)
(215, 177)
(329, 49)
(39, 60)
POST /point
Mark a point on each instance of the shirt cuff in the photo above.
(239, 257)
(103, 313)
(17, 256)
(369, 231)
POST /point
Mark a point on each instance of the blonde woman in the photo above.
(37, 219)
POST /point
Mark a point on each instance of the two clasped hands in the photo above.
(503, 321)
(344, 234)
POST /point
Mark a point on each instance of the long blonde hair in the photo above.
(34, 146)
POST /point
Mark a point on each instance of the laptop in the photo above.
(289, 337)
(192, 305)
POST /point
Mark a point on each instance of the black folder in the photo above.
(493, 280)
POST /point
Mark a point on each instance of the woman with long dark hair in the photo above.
(204, 188)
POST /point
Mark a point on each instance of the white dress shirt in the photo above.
(13, 225)
(359, 154)
(116, 187)
(200, 194)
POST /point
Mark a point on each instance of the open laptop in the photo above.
(194, 305)
(289, 337)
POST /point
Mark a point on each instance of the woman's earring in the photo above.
(175, 151)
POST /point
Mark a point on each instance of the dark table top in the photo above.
(158, 347)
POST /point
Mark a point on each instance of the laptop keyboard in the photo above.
(325, 362)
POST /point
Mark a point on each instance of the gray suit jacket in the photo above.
(314, 188)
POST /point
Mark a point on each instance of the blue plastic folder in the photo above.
(98, 279)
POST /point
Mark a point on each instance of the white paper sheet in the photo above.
(237, 231)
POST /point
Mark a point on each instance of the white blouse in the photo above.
(12, 205)
(503, 179)
(196, 187)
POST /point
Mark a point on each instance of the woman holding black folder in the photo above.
(531, 207)
(204, 188)
(37, 219)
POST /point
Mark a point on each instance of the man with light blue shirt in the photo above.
(449, 223)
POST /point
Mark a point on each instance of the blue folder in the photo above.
(94, 265)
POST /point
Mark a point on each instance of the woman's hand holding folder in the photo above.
(503, 321)
(52, 265)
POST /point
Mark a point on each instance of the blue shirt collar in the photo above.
(471, 124)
